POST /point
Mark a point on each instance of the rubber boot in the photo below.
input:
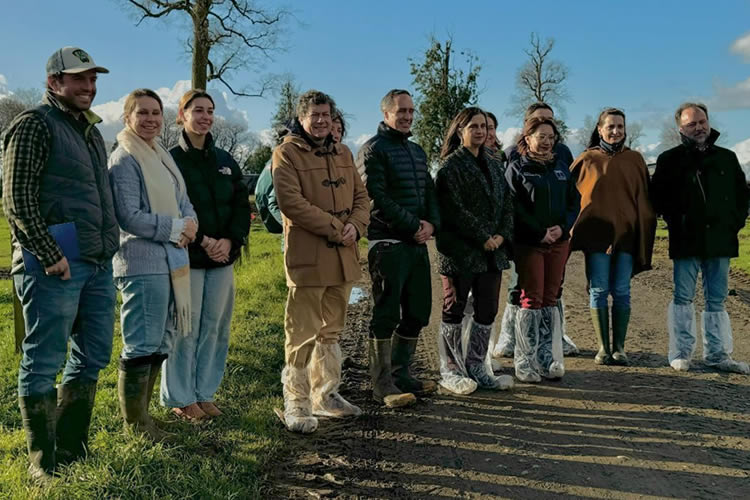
(156, 365)
(75, 403)
(39, 417)
(479, 338)
(132, 390)
(600, 318)
(383, 389)
(620, 320)
(325, 379)
(402, 356)
(297, 407)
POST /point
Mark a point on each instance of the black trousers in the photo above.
(401, 288)
(484, 287)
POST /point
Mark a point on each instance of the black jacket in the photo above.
(399, 185)
(472, 210)
(703, 197)
(545, 196)
(219, 197)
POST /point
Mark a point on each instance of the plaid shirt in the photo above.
(26, 150)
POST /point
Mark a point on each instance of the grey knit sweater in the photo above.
(142, 233)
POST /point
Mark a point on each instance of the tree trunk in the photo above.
(201, 44)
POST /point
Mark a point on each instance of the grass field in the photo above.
(223, 459)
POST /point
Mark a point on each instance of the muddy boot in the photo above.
(383, 389)
(402, 355)
(325, 378)
(600, 319)
(156, 364)
(38, 417)
(479, 338)
(75, 402)
(132, 390)
(297, 406)
(506, 342)
(620, 320)
(528, 322)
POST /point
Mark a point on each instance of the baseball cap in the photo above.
(72, 60)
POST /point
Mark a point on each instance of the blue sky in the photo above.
(642, 56)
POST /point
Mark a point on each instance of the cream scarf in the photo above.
(160, 191)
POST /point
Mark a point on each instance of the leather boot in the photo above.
(600, 319)
(383, 389)
(620, 320)
(402, 355)
(38, 416)
(75, 402)
(132, 390)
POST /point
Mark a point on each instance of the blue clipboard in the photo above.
(66, 236)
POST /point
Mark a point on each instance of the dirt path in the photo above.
(602, 432)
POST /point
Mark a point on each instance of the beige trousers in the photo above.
(313, 313)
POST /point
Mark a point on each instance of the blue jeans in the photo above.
(145, 316)
(609, 274)
(194, 370)
(81, 309)
(715, 281)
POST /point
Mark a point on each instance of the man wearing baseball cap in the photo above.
(55, 172)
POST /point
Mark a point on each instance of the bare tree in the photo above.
(170, 134)
(582, 135)
(634, 134)
(540, 79)
(14, 104)
(226, 35)
(285, 107)
(234, 138)
(669, 135)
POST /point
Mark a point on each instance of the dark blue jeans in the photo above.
(81, 309)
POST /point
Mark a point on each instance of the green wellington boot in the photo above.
(620, 320)
(38, 416)
(600, 318)
(402, 355)
(383, 389)
(75, 402)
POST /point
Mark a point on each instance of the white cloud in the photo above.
(734, 97)
(267, 137)
(111, 111)
(361, 140)
(509, 136)
(741, 46)
(649, 148)
(742, 149)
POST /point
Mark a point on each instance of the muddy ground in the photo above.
(643, 431)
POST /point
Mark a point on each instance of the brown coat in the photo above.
(616, 214)
(319, 191)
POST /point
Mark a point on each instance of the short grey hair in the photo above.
(386, 103)
(314, 98)
(688, 105)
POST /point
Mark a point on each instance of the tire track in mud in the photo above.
(600, 432)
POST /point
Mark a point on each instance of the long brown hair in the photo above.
(452, 139)
(530, 127)
(187, 99)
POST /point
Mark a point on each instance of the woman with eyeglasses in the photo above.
(546, 206)
(615, 228)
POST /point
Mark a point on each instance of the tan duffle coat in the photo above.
(319, 190)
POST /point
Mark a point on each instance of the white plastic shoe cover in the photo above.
(528, 322)
(681, 365)
(297, 413)
(569, 347)
(682, 331)
(452, 367)
(478, 365)
(717, 337)
(730, 365)
(506, 341)
(325, 378)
